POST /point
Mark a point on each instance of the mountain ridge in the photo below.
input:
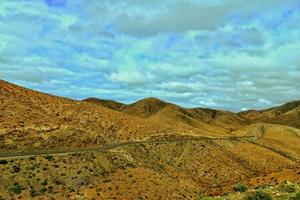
(274, 115)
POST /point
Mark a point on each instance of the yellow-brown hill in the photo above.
(30, 119)
(207, 120)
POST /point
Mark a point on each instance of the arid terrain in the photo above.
(58, 148)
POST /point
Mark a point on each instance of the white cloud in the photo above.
(227, 54)
(131, 78)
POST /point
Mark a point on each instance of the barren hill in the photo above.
(54, 147)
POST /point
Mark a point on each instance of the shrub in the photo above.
(258, 195)
(16, 169)
(50, 188)
(3, 162)
(32, 191)
(240, 188)
(287, 188)
(31, 158)
(45, 182)
(48, 157)
(43, 190)
(58, 182)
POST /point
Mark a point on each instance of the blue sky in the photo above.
(225, 54)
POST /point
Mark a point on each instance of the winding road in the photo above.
(106, 147)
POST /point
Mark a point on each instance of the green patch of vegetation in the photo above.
(287, 188)
(296, 197)
(258, 195)
(16, 188)
(240, 187)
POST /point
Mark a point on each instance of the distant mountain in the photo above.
(287, 114)
(204, 118)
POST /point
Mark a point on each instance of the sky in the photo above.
(224, 54)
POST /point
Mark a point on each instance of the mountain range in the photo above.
(150, 149)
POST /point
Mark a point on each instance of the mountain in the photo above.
(58, 148)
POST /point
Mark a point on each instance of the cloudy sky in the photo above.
(226, 54)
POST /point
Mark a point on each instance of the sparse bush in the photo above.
(258, 195)
(287, 188)
(240, 187)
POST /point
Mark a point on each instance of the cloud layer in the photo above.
(226, 54)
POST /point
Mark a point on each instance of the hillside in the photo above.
(54, 147)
